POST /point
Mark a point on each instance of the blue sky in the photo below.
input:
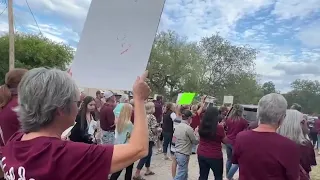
(286, 32)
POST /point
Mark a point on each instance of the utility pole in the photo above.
(11, 34)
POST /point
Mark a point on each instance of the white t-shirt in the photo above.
(173, 116)
(92, 126)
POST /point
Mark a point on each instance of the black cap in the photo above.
(186, 114)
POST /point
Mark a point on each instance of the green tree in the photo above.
(171, 66)
(268, 87)
(306, 93)
(223, 62)
(34, 51)
(245, 90)
(208, 67)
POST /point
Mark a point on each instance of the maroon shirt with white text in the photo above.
(49, 158)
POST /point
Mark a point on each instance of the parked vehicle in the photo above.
(249, 113)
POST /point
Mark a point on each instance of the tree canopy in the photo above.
(216, 67)
(208, 66)
(268, 87)
(212, 66)
(306, 93)
(34, 51)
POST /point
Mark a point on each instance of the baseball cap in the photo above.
(108, 94)
(186, 114)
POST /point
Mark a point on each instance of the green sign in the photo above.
(186, 98)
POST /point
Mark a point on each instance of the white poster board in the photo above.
(178, 98)
(228, 100)
(116, 42)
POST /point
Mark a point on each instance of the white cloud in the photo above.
(287, 9)
(62, 21)
(310, 35)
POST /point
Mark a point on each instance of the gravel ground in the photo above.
(315, 173)
(162, 168)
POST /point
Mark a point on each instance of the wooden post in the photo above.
(11, 34)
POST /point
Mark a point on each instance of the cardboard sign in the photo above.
(228, 100)
(116, 42)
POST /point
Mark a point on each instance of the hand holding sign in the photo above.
(141, 90)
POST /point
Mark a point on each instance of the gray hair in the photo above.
(124, 98)
(150, 108)
(131, 102)
(41, 92)
(272, 109)
(291, 127)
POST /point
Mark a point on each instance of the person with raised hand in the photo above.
(48, 106)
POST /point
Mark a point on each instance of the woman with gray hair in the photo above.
(262, 153)
(48, 106)
(295, 128)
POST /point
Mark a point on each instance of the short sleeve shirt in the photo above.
(266, 156)
(48, 158)
(210, 147)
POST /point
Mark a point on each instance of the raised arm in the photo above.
(203, 99)
(137, 148)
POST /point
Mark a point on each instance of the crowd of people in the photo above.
(50, 130)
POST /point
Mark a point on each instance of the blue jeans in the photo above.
(194, 148)
(107, 137)
(146, 160)
(231, 169)
(318, 142)
(182, 162)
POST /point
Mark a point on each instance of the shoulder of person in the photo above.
(227, 120)
(103, 108)
(78, 118)
(220, 130)
(86, 155)
(220, 127)
(244, 134)
(189, 128)
(287, 143)
(86, 149)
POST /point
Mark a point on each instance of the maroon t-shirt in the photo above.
(266, 156)
(195, 121)
(211, 147)
(234, 127)
(158, 111)
(9, 122)
(308, 157)
(48, 158)
(107, 118)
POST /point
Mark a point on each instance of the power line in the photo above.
(14, 22)
(34, 17)
(4, 2)
(4, 10)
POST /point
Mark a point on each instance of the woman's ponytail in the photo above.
(5, 95)
(12, 80)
